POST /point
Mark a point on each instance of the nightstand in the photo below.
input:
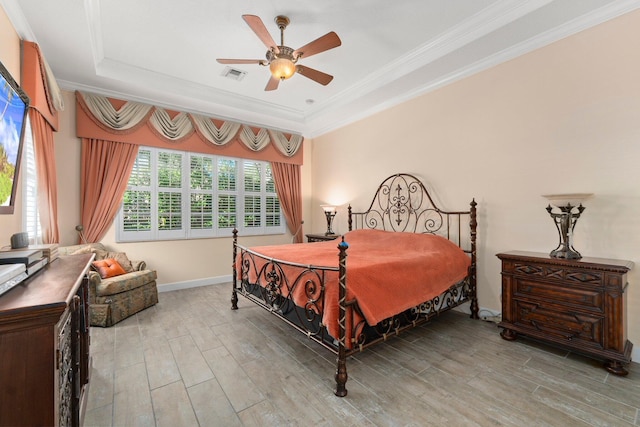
(577, 304)
(321, 237)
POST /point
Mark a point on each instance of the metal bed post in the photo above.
(473, 223)
(341, 368)
(234, 293)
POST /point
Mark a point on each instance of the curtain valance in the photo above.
(100, 117)
(38, 82)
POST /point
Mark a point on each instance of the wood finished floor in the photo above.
(191, 361)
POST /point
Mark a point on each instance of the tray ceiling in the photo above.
(163, 52)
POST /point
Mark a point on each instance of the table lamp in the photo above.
(568, 208)
(329, 212)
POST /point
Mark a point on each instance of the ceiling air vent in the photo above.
(233, 73)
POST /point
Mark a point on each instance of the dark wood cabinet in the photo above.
(44, 346)
(577, 304)
(321, 237)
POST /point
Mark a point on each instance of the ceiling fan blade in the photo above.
(272, 84)
(315, 75)
(326, 42)
(241, 61)
(258, 27)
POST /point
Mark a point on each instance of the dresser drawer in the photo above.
(566, 276)
(583, 298)
(573, 328)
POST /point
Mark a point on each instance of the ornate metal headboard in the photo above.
(403, 204)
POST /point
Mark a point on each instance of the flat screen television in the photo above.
(14, 105)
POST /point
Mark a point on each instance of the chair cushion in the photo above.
(125, 282)
(108, 268)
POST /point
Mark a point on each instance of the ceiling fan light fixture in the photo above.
(282, 68)
(282, 59)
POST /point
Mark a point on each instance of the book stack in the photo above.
(11, 275)
(49, 251)
(33, 260)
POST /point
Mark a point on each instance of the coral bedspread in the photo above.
(387, 272)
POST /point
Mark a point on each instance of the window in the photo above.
(181, 195)
(30, 217)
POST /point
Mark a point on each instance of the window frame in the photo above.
(187, 231)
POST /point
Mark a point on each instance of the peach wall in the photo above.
(9, 46)
(10, 58)
(562, 119)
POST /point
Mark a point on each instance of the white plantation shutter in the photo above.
(136, 216)
(178, 195)
(30, 217)
(169, 193)
(252, 173)
(273, 213)
(201, 183)
(227, 194)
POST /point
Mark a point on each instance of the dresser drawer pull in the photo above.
(569, 337)
(535, 325)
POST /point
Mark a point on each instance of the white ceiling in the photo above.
(163, 52)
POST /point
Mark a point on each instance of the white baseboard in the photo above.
(176, 286)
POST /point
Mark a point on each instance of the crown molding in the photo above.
(18, 20)
(575, 26)
(355, 103)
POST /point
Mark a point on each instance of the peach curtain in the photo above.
(38, 82)
(288, 186)
(106, 166)
(45, 103)
(47, 179)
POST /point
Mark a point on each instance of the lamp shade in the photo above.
(561, 200)
(328, 208)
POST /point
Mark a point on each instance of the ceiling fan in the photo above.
(281, 59)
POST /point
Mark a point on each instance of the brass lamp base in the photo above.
(565, 222)
(329, 216)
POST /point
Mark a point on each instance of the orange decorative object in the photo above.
(108, 268)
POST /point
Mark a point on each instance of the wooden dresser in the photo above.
(579, 305)
(44, 346)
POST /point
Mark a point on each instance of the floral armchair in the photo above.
(112, 299)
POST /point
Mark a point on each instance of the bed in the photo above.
(402, 262)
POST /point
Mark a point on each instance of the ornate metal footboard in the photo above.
(401, 204)
(272, 284)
